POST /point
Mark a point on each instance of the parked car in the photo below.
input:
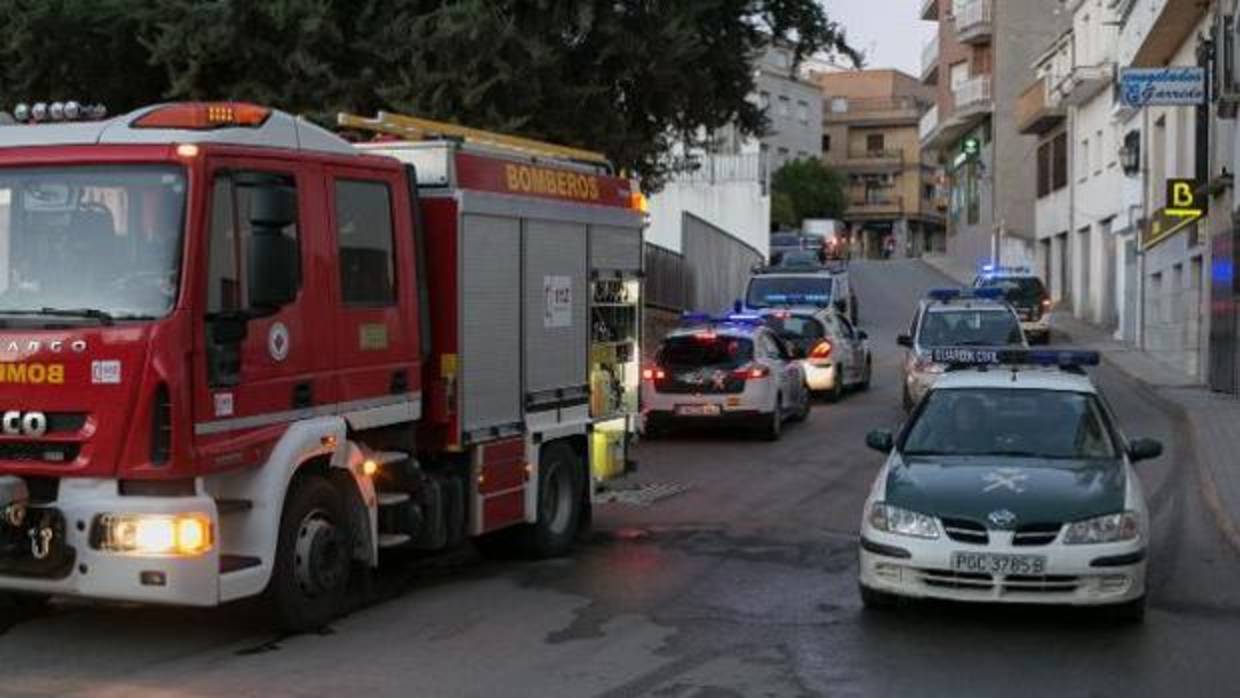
(733, 369)
(1027, 295)
(837, 355)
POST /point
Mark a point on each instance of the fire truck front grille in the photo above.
(65, 422)
(39, 452)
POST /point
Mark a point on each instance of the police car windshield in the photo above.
(1019, 290)
(964, 327)
(91, 242)
(705, 349)
(771, 291)
(1030, 423)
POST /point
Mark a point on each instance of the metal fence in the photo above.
(715, 169)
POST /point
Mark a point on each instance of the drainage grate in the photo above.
(641, 495)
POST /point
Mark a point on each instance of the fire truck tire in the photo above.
(310, 582)
(560, 495)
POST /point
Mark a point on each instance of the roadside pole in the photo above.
(1145, 221)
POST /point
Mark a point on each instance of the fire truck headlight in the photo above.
(154, 534)
(21, 112)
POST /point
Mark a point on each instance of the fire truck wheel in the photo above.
(310, 582)
(560, 488)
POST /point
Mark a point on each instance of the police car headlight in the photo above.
(1112, 528)
(903, 522)
(154, 534)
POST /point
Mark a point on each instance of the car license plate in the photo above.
(697, 410)
(998, 564)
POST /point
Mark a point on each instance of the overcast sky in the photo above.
(889, 31)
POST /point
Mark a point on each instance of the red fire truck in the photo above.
(240, 355)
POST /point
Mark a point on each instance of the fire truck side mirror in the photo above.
(274, 264)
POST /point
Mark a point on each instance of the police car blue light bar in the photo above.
(981, 356)
(689, 319)
(944, 295)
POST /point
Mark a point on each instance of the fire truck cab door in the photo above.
(374, 321)
(265, 367)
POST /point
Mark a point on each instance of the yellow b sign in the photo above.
(1183, 200)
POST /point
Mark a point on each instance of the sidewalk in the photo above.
(1212, 419)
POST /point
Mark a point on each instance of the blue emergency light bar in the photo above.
(688, 319)
(964, 357)
(996, 269)
(943, 295)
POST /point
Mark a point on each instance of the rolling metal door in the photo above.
(555, 257)
(490, 322)
(615, 249)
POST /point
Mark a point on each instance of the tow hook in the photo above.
(13, 498)
(41, 542)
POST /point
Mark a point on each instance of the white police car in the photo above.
(837, 354)
(732, 369)
(1010, 483)
(954, 318)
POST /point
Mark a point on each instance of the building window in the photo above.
(802, 112)
(764, 100)
(839, 105)
(1097, 159)
(785, 106)
(1044, 169)
(364, 236)
(959, 74)
(826, 142)
(1059, 162)
(874, 143)
(1083, 156)
(781, 156)
(927, 191)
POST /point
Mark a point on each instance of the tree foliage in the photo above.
(627, 77)
(807, 189)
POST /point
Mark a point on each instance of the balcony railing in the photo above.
(973, 20)
(1037, 111)
(714, 169)
(929, 124)
(973, 93)
(930, 59)
(872, 204)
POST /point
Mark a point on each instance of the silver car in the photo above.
(837, 354)
(954, 318)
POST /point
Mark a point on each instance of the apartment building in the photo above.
(979, 62)
(793, 107)
(870, 134)
(1080, 216)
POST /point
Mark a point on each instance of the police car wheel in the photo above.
(773, 426)
(837, 390)
(874, 600)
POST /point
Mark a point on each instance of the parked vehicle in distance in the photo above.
(818, 287)
(732, 369)
(837, 355)
(952, 318)
(799, 259)
(1027, 295)
(782, 243)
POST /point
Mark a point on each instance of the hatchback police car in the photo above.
(1010, 483)
(731, 369)
(837, 354)
(954, 318)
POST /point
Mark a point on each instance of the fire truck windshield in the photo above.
(100, 243)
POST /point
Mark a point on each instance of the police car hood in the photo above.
(1034, 490)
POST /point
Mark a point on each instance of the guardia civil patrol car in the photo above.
(1010, 483)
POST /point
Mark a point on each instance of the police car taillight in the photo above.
(204, 116)
(752, 373)
(822, 350)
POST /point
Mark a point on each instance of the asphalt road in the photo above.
(731, 573)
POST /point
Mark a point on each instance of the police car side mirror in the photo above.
(880, 440)
(863, 335)
(905, 341)
(1144, 449)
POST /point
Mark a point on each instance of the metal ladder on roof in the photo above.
(417, 128)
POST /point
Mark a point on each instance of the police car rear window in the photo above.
(769, 291)
(970, 327)
(705, 349)
(1023, 290)
(1047, 424)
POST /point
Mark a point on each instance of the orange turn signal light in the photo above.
(204, 116)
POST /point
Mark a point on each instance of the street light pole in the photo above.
(1145, 221)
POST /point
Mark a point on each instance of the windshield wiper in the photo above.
(103, 316)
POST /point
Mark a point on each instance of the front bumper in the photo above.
(96, 574)
(1085, 575)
